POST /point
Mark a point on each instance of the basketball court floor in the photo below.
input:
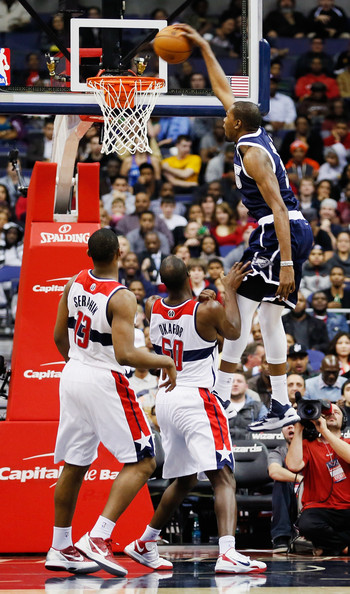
(193, 572)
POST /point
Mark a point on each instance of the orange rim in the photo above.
(125, 86)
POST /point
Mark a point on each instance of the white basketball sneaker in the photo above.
(233, 562)
(146, 552)
(278, 416)
(100, 550)
(70, 559)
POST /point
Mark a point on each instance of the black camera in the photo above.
(311, 410)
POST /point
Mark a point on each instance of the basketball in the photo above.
(171, 45)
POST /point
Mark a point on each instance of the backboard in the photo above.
(248, 75)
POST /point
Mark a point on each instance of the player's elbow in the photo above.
(124, 356)
(124, 359)
(233, 332)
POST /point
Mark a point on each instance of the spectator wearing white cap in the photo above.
(332, 169)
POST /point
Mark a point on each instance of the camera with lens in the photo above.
(311, 410)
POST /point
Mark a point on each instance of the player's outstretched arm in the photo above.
(122, 309)
(217, 76)
(61, 327)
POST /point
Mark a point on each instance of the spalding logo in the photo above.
(171, 313)
(64, 228)
(93, 287)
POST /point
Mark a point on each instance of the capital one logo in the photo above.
(40, 470)
(46, 373)
(53, 285)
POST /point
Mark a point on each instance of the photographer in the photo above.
(325, 465)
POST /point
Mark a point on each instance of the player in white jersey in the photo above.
(94, 332)
(194, 427)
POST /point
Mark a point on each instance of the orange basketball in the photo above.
(171, 45)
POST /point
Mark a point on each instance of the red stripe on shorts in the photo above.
(217, 419)
(132, 409)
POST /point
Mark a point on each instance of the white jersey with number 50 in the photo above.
(89, 330)
(173, 332)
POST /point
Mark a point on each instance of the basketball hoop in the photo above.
(126, 103)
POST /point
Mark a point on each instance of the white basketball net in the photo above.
(125, 127)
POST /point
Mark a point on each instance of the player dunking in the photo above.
(194, 427)
(277, 248)
(94, 332)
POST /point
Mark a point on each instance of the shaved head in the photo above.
(173, 272)
(248, 113)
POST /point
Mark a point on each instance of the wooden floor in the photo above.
(193, 572)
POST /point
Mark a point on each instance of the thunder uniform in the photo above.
(96, 401)
(195, 433)
(263, 250)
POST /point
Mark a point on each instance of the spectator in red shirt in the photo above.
(316, 74)
(226, 229)
(300, 166)
(325, 464)
(340, 133)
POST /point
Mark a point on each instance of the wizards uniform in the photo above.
(195, 433)
(263, 250)
(96, 402)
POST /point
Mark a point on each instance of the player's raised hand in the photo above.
(206, 295)
(235, 276)
(191, 34)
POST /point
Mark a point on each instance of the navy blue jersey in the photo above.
(252, 198)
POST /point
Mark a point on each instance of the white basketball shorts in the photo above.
(194, 430)
(97, 405)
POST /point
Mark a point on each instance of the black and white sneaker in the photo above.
(281, 544)
(278, 416)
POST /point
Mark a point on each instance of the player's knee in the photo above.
(223, 477)
(229, 477)
(150, 465)
(186, 483)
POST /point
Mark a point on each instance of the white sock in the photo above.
(150, 533)
(223, 385)
(279, 388)
(62, 538)
(225, 543)
(103, 528)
